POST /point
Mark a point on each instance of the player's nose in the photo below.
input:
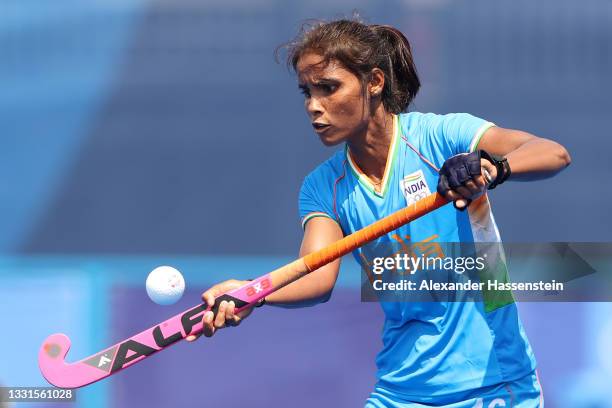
(314, 108)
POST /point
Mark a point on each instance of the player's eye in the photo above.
(304, 91)
(329, 88)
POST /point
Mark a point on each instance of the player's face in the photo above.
(333, 99)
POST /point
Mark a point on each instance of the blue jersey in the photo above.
(429, 348)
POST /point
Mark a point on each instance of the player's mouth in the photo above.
(320, 127)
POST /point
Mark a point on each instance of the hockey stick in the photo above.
(52, 354)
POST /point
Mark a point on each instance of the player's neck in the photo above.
(370, 149)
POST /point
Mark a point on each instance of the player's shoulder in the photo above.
(318, 185)
(436, 128)
(429, 119)
(418, 124)
(329, 170)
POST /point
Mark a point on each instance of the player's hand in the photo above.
(225, 315)
(464, 177)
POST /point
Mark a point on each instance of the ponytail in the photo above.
(402, 83)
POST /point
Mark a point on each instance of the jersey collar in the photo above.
(365, 180)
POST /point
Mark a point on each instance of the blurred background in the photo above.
(137, 133)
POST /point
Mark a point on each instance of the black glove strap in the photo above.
(502, 166)
(261, 302)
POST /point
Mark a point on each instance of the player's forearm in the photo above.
(310, 290)
(530, 157)
(537, 159)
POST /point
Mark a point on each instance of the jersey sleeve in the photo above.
(316, 199)
(461, 131)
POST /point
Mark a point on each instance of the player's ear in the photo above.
(376, 82)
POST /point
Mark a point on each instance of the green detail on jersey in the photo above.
(479, 135)
(494, 299)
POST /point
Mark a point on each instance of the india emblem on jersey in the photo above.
(414, 187)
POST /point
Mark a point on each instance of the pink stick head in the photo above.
(51, 358)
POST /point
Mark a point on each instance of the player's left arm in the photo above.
(530, 157)
(527, 157)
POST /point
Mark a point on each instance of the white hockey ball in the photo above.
(165, 285)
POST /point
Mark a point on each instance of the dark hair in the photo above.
(361, 47)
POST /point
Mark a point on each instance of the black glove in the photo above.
(459, 169)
